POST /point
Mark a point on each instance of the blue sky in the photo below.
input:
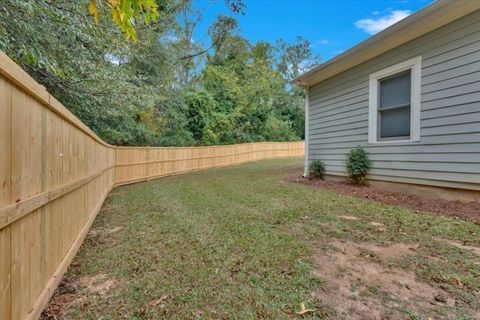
(331, 26)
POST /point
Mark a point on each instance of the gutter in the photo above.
(305, 168)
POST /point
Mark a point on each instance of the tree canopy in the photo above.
(164, 88)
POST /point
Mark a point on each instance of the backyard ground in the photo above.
(245, 243)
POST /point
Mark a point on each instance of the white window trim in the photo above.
(415, 65)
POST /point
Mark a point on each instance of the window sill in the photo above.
(395, 142)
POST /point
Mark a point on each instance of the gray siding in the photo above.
(448, 154)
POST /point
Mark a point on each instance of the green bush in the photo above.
(358, 164)
(317, 169)
(200, 109)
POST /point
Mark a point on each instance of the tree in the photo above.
(126, 13)
(200, 109)
(164, 88)
(296, 58)
(292, 60)
(103, 79)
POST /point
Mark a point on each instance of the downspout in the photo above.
(307, 91)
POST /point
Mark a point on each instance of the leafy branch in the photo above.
(125, 13)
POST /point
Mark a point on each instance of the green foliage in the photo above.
(295, 58)
(219, 130)
(164, 89)
(90, 68)
(277, 129)
(200, 108)
(250, 88)
(358, 164)
(317, 169)
(126, 13)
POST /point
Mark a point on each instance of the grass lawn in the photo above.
(242, 243)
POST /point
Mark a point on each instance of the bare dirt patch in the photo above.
(97, 284)
(75, 291)
(65, 296)
(464, 210)
(361, 284)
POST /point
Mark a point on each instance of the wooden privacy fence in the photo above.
(137, 164)
(54, 175)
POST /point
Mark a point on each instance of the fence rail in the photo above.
(54, 176)
(134, 164)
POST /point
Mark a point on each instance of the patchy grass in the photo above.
(242, 243)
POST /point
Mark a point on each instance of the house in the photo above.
(410, 96)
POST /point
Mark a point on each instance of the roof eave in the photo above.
(416, 25)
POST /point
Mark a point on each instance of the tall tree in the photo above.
(164, 88)
(295, 58)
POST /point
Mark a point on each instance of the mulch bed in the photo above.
(465, 210)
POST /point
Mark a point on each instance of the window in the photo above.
(395, 103)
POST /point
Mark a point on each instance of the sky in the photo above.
(331, 26)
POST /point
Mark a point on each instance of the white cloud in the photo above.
(323, 41)
(373, 26)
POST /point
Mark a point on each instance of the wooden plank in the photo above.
(5, 276)
(56, 277)
(5, 140)
(20, 278)
(56, 210)
(21, 147)
(21, 178)
(15, 74)
(15, 211)
(5, 169)
(37, 164)
(36, 147)
(34, 268)
(54, 151)
(19, 77)
(65, 114)
(45, 245)
(44, 211)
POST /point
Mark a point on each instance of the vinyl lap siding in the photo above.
(448, 154)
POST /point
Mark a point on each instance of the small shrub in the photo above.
(358, 164)
(317, 169)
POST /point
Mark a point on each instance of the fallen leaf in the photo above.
(349, 218)
(377, 224)
(458, 282)
(303, 310)
(153, 303)
(116, 229)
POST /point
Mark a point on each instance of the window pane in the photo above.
(395, 90)
(395, 123)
